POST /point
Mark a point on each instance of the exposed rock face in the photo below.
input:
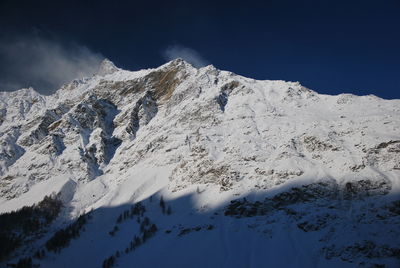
(10, 151)
(326, 209)
(43, 126)
(144, 110)
(202, 114)
(121, 136)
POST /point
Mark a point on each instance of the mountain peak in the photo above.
(107, 67)
(178, 62)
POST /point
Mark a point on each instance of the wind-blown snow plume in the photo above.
(30, 60)
(188, 54)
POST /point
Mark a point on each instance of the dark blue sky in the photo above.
(329, 46)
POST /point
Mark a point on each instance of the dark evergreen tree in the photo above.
(153, 228)
(109, 262)
(119, 220)
(27, 221)
(24, 263)
(162, 204)
(62, 238)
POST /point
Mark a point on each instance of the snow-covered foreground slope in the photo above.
(252, 173)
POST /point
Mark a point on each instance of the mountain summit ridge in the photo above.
(107, 67)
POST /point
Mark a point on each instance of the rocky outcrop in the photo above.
(10, 151)
(43, 125)
(145, 109)
(226, 89)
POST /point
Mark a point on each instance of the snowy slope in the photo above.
(320, 174)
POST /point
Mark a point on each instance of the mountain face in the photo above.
(184, 167)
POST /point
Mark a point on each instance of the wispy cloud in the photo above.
(185, 53)
(30, 60)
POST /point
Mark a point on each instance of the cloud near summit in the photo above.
(44, 64)
(185, 53)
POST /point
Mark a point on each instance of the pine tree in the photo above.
(119, 220)
(162, 204)
(153, 228)
(146, 221)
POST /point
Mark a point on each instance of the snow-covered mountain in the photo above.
(184, 167)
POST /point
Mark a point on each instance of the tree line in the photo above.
(15, 226)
